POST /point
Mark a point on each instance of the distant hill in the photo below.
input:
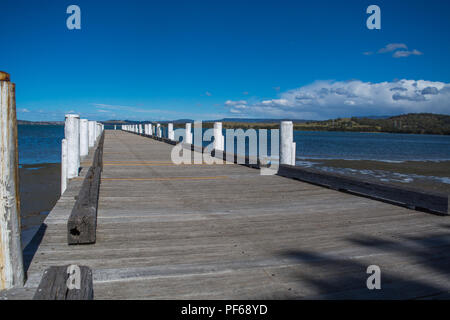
(422, 123)
(250, 120)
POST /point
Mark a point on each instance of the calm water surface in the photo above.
(42, 144)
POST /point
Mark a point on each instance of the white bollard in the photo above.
(98, 130)
(158, 130)
(11, 258)
(188, 133)
(91, 134)
(170, 132)
(218, 137)
(294, 145)
(84, 137)
(95, 131)
(72, 134)
(63, 165)
(286, 140)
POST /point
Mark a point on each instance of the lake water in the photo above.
(42, 144)
(371, 146)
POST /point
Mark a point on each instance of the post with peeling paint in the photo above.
(11, 260)
(72, 134)
(84, 137)
(91, 134)
(287, 145)
(170, 132)
(188, 134)
(98, 131)
(218, 136)
(63, 165)
(158, 130)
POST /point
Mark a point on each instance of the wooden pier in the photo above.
(226, 232)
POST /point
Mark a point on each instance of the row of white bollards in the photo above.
(287, 144)
(80, 135)
(149, 129)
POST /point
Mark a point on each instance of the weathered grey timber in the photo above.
(437, 203)
(432, 202)
(82, 223)
(11, 264)
(226, 232)
(53, 285)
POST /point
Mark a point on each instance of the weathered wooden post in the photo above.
(11, 260)
(63, 165)
(287, 150)
(91, 134)
(84, 137)
(72, 134)
(98, 131)
(158, 130)
(188, 133)
(294, 147)
(218, 137)
(170, 132)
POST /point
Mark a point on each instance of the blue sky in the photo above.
(162, 60)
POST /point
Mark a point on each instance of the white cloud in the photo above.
(327, 99)
(234, 103)
(400, 50)
(392, 47)
(406, 53)
(209, 94)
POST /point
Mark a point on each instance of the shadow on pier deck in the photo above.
(226, 232)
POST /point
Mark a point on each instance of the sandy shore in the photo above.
(39, 192)
(422, 175)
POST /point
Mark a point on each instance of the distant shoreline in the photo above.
(40, 123)
(412, 123)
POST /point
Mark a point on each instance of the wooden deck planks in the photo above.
(240, 236)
